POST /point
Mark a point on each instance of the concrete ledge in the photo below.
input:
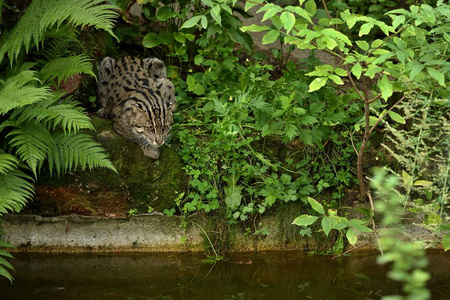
(158, 233)
(153, 232)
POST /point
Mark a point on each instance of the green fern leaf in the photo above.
(72, 151)
(15, 190)
(31, 142)
(41, 15)
(18, 91)
(69, 116)
(8, 162)
(64, 67)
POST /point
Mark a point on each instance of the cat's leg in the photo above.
(105, 71)
(155, 67)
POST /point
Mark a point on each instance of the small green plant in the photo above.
(347, 229)
(133, 212)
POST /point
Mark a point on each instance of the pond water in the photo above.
(268, 275)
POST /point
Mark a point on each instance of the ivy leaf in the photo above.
(396, 117)
(317, 83)
(270, 37)
(385, 87)
(305, 220)
(437, 75)
(215, 14)
(288, 20)
(316, 206)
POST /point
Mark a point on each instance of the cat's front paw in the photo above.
(151, 152)
(102, 113)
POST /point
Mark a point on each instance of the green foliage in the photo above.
(410, 57)
(37, 126)
(329, 221)
(407, 258)
(223, 140)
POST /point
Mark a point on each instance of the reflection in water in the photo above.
(271, 275)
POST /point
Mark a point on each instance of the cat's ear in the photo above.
(155, 67)
(106, 67)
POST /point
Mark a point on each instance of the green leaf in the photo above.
(336, 79)
(340, 72)
(385, 87)
(365, 28)
(215, 14)
(301, 12)
(164, 13)
(288, 20)
(359, 225)
(270, 37)
(255, 28)
(396, 117)
(415, 68)
(424, 183)
(357, 70)
(151, 40)
(305, 220)
(437, 75)
(446, 241)
(233, 196)
(272, 11)
(352, 237)
(316, 206)
(339, 245)
(363, 45)
(317, 83)
(204, 22)
(191, 22)
(311, 7)
(326, 225)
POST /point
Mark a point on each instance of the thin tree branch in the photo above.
(384, 115)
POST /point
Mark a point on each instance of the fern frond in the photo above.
(3, 271)
(8, 162)
(59, 41)
(64, 67)
(31, 142)
(44, 14)
(69, 116)
(15, 190)
(76, 151)
(18, 91)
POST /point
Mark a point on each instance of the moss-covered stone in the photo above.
(141, 181)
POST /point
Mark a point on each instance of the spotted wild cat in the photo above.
(139, 99)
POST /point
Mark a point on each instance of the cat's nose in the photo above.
(160, 142)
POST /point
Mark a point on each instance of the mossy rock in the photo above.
(141, 182)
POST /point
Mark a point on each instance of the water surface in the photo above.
(270, 275)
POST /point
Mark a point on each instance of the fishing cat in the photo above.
(139, 99)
